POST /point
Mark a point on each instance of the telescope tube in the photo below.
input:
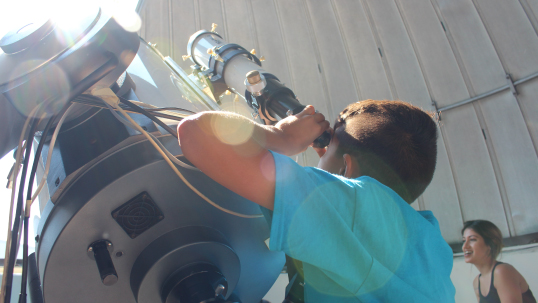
(230, 63)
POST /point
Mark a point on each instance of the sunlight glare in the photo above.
(232, 132)
(54, 83)
(124, 15)
(129, 20)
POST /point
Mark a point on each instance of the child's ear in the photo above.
(352, 168)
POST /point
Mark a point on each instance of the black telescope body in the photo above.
(117, 224)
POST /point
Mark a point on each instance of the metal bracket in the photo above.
(437, 111)
(511, 84)
(110, 248)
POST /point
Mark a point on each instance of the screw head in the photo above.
(253, 77)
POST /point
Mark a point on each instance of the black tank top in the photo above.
(493, 296)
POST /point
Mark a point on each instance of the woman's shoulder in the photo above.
(505, 270)
(506, 273)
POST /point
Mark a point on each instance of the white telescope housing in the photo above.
(220, 60)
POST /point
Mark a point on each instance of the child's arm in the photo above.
(233, 150)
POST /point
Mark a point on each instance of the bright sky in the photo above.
(21, 12)
(15, 12)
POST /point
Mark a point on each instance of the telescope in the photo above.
(124, 216)
(230, 66)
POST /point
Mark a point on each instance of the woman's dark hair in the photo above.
(394, 142)
(489, 232)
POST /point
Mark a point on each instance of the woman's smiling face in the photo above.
(475, 249)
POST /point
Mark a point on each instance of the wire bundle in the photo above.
(113, 102)
(22, 212)
(14, 228)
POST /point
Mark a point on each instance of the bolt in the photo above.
(253, 77)
(219, 289)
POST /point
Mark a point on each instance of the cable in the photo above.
(150, 116)
(49, 154)
(77, 89)
(154, 108)
(91, 101)
(18, 212)
(29, 201)
(112, 100)
(168, 153)
(157, 109)
(15, 173)
(182, 177)
(22, 295)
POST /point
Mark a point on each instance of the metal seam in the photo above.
(347, 50)
(377, 39)
(315, 46)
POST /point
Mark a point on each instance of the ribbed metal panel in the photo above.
(334, 52)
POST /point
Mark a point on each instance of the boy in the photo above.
(348, 220)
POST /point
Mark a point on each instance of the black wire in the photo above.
(22, 295)
(91, 101)
(29, 197)
(147, 114)
(16, 224)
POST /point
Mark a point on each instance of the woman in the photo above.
(497, 281)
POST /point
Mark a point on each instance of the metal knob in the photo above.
(100, 252)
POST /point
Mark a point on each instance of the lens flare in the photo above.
(230, 131)
(129, 20)
(67, 16)
(51, 83)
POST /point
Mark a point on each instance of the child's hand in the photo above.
(299, 131)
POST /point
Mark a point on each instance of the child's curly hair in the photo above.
(393, 141)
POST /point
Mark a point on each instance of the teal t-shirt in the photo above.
(358, 240)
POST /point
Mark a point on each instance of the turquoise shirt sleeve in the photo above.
(360, 235)
(311, 207)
